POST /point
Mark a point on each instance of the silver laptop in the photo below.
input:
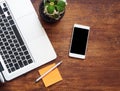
(24, 44)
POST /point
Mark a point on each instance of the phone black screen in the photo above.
(79, 41)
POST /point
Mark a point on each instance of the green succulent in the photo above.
(54, 8)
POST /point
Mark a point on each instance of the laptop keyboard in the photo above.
(12, 47)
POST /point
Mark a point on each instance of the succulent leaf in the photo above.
(50, 9)
(60, 9)
(61, 3)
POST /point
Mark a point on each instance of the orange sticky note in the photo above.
(52, 77)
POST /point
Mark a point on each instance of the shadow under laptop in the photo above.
(2, 85)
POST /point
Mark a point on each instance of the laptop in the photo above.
(24, 44)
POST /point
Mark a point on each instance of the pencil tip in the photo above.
(61, 61)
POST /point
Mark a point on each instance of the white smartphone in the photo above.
(79, 41)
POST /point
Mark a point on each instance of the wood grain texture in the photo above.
(100, 71)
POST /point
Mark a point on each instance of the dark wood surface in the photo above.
(100, 71)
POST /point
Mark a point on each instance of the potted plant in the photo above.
(52, 10)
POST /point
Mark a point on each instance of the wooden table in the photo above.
(100, 71)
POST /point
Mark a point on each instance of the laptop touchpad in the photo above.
(30, 27)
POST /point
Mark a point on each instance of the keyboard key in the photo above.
(1, 43)
(3, 16)
(10, 52)
(1, 53)
(23, 57)
(9, 28)
(7, 24)
(8, 36)
(12, 56)
(14, 49)
(17, 45)
(20, 63)
(2, 35)
(8, 60)
(6, 32)
(3, 56)
(15, 41)
(4, 28)
(11, 65)
(15, 53)
(9, 17)
(18, 58)
(1, 31)
(30, 61)
(5, 9)
(7, 66)
(24, 48)
(5, 62)
(21, 53)
(6, 44)
(12, 45)
(13, 37)
(0, 20)
(26, 52)
(8, 48)
(4, 39)
(11, 22)
(12, 69)
(5, 52)
(1, 11)
(10, 41)
(3, 48)
(2, 24)
(16, 66)
(25, 62)
(19, 49)
(9, 70)
(17, 35)
(6, 56)
(5, 20)
(8, 13)
(14, 60)
(28, 56)
(4, 4)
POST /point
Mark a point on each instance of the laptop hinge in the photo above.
(1, 67)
